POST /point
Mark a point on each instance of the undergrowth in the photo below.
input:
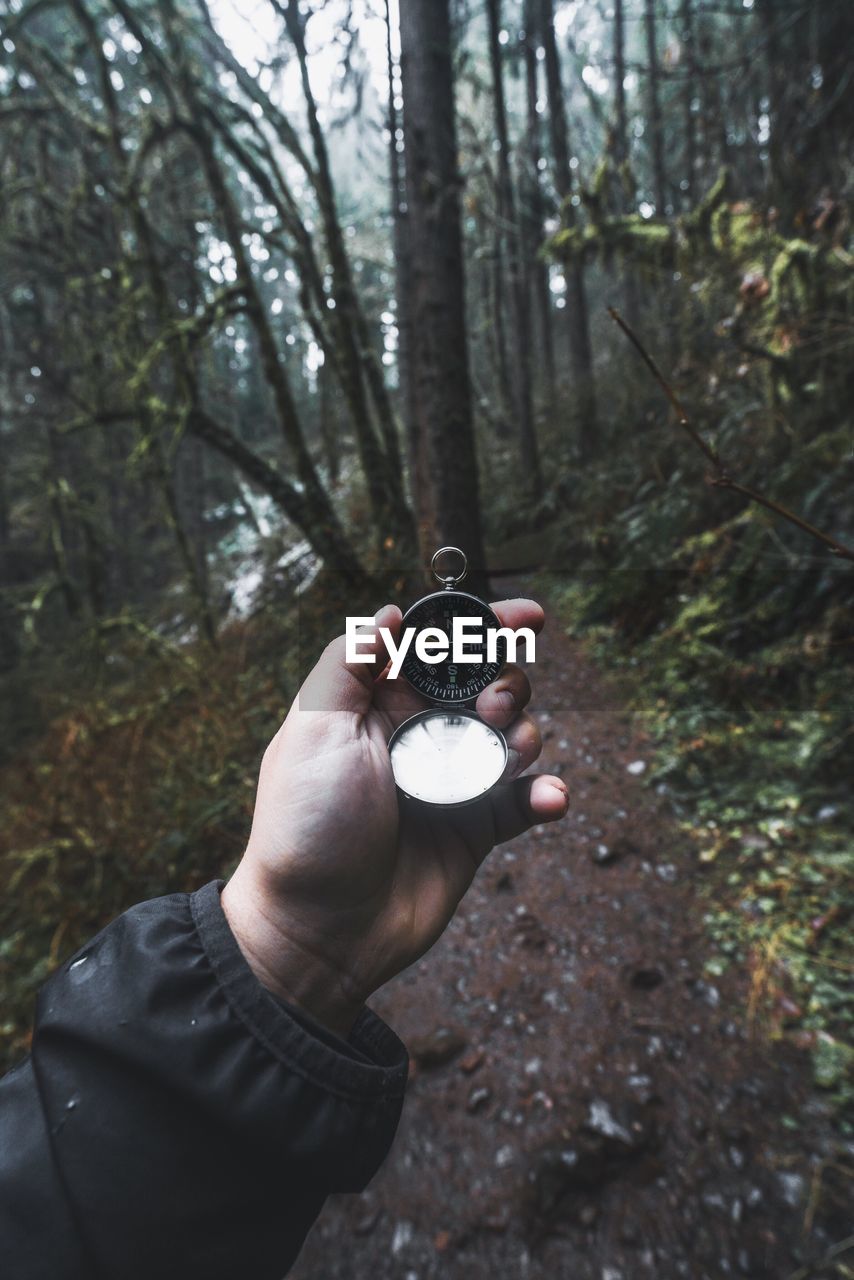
(742, 675)
(141, 783)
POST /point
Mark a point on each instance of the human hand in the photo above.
(345, 882)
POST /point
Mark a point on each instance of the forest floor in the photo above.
(586, 1103)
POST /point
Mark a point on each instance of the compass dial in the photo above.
(446, 681)
(447, 757)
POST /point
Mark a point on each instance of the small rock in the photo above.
(707, 993)
(602, 855)
(504, 1156)
(646, 978)
(441, 1241)
(601, 1120)
(588, 1215)
(666, 872)
(368, 1221)
(471, 1061)
(793, 1188)
(478, 1099)
(402, 1237)
(636, 768)
(642, 1087)
(437, 1047)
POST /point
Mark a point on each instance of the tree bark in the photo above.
(532, 207)
(621, 122)
(654, 124)
(384, 470)
(688, 92)
(415, 445)
(508, 231)
(439, 364)
(580, 349)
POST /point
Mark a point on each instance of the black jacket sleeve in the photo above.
(174, 1119)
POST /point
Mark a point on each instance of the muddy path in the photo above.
(584, 1102)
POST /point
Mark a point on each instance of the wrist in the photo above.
(284, 960)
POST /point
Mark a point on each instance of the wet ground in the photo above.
(586, 1103)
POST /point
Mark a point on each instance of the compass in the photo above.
(446, 755)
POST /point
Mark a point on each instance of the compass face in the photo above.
(446, 681)
(447, 757)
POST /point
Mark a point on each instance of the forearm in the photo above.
(189, 1125)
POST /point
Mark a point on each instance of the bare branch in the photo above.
(722, 478)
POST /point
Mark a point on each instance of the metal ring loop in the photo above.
(449, 580)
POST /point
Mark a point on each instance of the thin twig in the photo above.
(722, 479)
(811, 1269)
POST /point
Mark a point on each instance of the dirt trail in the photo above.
(584, 1103)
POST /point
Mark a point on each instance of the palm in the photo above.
(368, 878)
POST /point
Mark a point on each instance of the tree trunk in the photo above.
(383, 470)
(532, 208)
(508, 229)
(688, 92)
(654, 125)
(621, 122)
(415, 444)
(626, 194)
(580, 349)
(439, 363)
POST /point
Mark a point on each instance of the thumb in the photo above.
(334, 684)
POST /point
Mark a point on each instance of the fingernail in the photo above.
(514, 760)
(563, 791)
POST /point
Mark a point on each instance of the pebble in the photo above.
(504, 1156)
(471, 1061)
(636, 768)
(707, 993)
(478, 1099)
(365, 1225)
(601, 1120)
(793, 1188)
(437, 1047)
(402, 1237)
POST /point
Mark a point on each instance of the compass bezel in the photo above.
(494, 669)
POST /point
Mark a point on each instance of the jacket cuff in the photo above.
(371, 1062)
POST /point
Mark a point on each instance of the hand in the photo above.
(345, 882)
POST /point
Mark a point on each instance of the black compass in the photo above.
(447, 755)
(447, 681)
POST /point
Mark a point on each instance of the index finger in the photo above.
(520, 613)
